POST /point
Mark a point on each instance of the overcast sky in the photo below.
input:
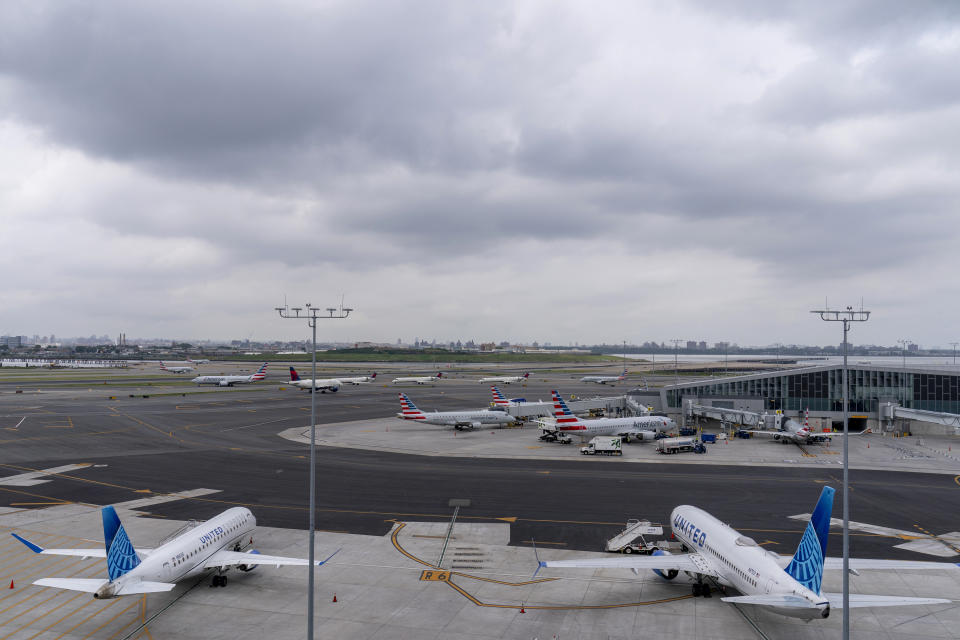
(559, 171)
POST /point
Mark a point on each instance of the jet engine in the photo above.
(668, 574)
(105, 592)
(248, 567)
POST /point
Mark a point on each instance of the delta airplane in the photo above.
(216, 544)
(638, 427)
(229, 381)
(176, 369)
(329, 384)
(468, 419)
(789, 586)
(792, 431)
(420, 379)
(506, 379)
(605, 379)
(199, 361)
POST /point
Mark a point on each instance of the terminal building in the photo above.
(880, 397)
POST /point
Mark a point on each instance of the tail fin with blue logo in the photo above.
(121, 556)
(806, 567)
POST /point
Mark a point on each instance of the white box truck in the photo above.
(603, 445)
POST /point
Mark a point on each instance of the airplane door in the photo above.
(769, 585)
(166, 570)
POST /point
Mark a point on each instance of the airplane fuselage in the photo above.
(223, 381)
(184, 556)
(636, 427)
(740, 562)
(460, 419)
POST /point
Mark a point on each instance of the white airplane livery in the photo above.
(467, 419)
(506, 379)
(229, 381)
(789, 586)
(176, 368)
(605, 379)
(216, 544)
(328, 384)
(637, 427)
(791, 431)
(199, 361)
(419, 379)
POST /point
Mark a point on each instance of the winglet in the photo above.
(322, 562)
(540, 564)
(29, 544)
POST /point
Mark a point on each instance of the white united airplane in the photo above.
(506, 379)
(605, 379)
(175, 369)
(789, 586)
(637, 427)
(213, 545)
(420, 379)
(327, 384)
(467, 419)
(229, 381)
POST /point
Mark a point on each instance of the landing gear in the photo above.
(700, 589)
(218, 581)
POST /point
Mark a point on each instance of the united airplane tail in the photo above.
(294, 376)
(121, 556)
(806, 567)
(408, 410)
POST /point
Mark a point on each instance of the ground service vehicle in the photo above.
(603, 445)
(676, 445)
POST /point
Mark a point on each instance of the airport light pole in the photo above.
(846, 317)
(676, 367)
(903, 352)
(955, 351)
(312, 314)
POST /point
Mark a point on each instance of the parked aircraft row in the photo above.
(637, 427)
(217, 544)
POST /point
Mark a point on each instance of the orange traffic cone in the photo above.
(522, 610)
(334, 597)
(11, 584)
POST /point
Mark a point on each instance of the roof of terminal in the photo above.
(950, 371)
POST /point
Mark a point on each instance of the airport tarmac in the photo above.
(186, 453)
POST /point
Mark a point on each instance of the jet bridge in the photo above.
(735, 417)
(890, 412)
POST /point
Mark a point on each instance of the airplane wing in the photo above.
(83, 553)
(225, 558)
(91, 585)
(859, 600)
(692, 562)
(857, 564)
(771, 600)
(766, 432)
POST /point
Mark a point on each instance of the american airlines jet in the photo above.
(637, 427)
(506, 379)
(216, 544)
(466, 419)
(229, 381)
(175, 369)
(420, 379)
(789, 586)
(605, 379)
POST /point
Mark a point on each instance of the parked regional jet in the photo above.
(229, 381)
(216, 544)
(605, 379)
(506, 379)
(467, 419)
(420, 379)
(791, 431)
(175, 369)
(199, 361)
(789, 586)
(637, 427)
